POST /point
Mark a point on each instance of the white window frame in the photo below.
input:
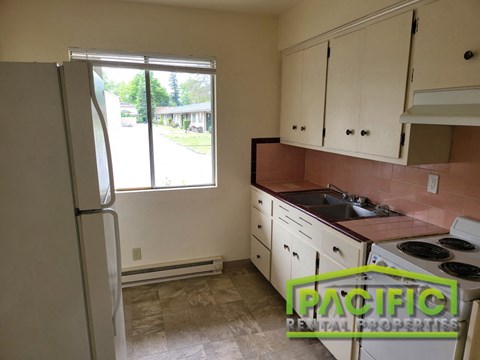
(155, 62)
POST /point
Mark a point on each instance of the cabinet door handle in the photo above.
(343, 293)
(468, 55)
(258, 256)
(259, 226)
(303, 128)
(349, 132)
(335, 249)
(296, 255)
(286, 247)
(260, 202)
(294, 127)
(365, 132)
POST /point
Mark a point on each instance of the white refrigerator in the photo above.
(60, 289)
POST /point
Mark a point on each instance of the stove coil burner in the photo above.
(461, 270)
(423, 250)
(457, 244)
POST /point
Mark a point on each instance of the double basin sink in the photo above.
(331, 205)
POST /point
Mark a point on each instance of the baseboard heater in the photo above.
(171, 271)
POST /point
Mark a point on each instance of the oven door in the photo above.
(400, 349)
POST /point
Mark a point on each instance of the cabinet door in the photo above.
(304, 263)
(383, 85)
(340, 348)
(446, 30)
(282, 240)
(314, 78)
(291, 96)
(343, 91)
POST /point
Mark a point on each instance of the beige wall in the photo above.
(170, 225)
(314, 17)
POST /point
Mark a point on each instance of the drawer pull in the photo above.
(286, 247)
(296, 222)
(281, 207)
(343, 293)
(260, 202)
(258, 256)
(309, 223)
(336, 250)
(295, 255)
(259, 226)
(301, 232)
(285, 221)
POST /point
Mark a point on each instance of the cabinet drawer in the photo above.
(296, 221)
(261, 227)
(260, 257)
(340, 248)
(262, 201)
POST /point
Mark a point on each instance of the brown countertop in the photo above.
(368, 229)
(389, 228)
(284, 186)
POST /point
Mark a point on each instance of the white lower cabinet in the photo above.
(342, 349)
(260, 256)
(292, 258)
(339, 252)
(261, 230)
(290, 244)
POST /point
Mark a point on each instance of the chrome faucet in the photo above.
(360, 200)
(344, 193)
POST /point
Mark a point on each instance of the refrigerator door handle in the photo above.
(119, 265)
(105, 134)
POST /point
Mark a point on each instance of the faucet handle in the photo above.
(384, 209)
(362, 200)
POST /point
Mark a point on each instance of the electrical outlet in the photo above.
(137, 253)
(432, 186)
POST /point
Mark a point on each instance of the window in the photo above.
(161, 118)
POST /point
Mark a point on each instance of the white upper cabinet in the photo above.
(303, 96)
(343, 91)
(447, 31)
(384, 82)
(366, 89)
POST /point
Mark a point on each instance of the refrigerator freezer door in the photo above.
(99, 244)
(89, 147)
(42, 303)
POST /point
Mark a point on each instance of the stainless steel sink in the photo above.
(312, 198)
(340, 212)
(331, 205)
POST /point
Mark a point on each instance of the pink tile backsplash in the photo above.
(278, 162)
(404, 188)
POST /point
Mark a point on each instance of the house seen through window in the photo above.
(161, 119)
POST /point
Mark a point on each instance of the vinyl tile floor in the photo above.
(235, 315)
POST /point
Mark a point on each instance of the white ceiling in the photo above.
(270, 7)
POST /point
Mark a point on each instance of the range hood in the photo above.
(456, 106)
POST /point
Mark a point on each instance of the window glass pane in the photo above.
(183, 129)
(126, 106)
(161, 121)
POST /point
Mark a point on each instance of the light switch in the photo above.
(432, 186)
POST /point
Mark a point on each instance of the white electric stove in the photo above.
(454, 256)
